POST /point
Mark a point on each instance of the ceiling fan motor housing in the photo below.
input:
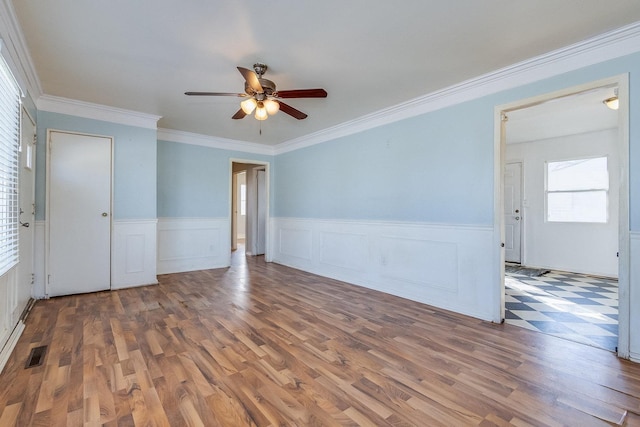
(268, 86)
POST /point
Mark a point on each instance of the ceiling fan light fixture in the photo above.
(248, 105)
(261, 112)
(613, 102)
(271, 106)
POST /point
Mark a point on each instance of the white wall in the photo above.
(577, 247)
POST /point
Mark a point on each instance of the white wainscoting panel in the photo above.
(420, 261)
(343, 250)
(634, 295)
(188, 244)
(133, 254)
(448, 266)
(295, 242)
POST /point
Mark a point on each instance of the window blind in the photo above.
(10, 103)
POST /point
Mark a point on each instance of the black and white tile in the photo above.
(568, 305)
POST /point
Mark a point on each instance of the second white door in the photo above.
(79, 214)
(513, 212)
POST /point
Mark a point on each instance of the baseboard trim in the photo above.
(8, 348)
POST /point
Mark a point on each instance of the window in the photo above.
(577, 190)
(9, 145)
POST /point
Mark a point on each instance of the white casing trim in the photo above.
(39, 273)
(18, 55)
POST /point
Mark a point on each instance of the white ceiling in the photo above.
(571, 115)
(143, 55)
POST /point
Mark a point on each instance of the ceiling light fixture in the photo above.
(248, 105)
(261, 111)
(264, 108)
(271, 106)
(260, 94)
(613, 102)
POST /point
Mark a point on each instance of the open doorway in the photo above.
(249, 208)
(239, 211)
(564, 215)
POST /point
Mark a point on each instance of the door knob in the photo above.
(517, 218)
(105, 214)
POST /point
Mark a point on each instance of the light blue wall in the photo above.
(428, 168)
(134, 192)
(194, 181)
(437, 167)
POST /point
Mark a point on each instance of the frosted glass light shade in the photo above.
(271, 106)
(613, 103)
(248, 105)
(261, 113)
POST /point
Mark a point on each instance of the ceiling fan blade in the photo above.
(239, 115)
(215, 94)
(288, 109)
(302, 93)
(251, 78)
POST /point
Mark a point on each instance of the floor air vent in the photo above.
(36, 357)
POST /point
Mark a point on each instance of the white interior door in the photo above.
(513, 212)
(26, 192)
(79, 214)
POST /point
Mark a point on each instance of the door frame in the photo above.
(32, 216)
(47, 245)
(267, 237)
(622, 83)
(234, 210)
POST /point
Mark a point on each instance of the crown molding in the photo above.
(214, 142)
(72, 107)
(613, 44)
(18, 56)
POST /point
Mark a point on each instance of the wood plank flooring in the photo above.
(260, 344)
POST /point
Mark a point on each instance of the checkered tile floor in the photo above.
(573, 306)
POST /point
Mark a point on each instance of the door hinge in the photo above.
(504, 117)
(35, 139)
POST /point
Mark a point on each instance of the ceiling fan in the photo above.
(263, 97)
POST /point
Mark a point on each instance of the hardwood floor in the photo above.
(260, 344)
